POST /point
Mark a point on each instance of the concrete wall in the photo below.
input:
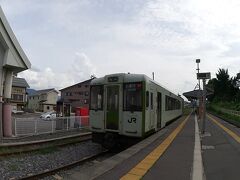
(47, 107)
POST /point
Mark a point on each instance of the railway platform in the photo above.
(178, 151)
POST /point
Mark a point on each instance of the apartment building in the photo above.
(77, 95)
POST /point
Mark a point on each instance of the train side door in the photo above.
(159, 109)
(112, 109)
(152, 111)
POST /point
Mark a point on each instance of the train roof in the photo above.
(127, 77)
(124, 76)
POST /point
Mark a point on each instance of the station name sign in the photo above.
(206, 75)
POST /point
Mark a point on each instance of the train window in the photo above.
(96, 98)
(167, 107)
(151, 100)
(172, 103)
(147, 99)
(112, 98)
(132, 98)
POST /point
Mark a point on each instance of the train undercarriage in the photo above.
(114, 141)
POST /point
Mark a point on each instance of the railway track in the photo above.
(21, 148)
(48, 172)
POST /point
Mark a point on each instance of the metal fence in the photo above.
(232, 112)
(36, 126)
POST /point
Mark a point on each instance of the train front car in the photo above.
(116, 108)
(127, 107)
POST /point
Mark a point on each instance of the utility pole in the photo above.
(204, 77)
(198, 69)
(199, 88)
(204, 106)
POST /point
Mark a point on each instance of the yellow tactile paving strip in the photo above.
(141, 168)
(231, 133)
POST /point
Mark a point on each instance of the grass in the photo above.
(227, 105)
(47, 150)
(4, 150)
(187, 111)
(215, 109)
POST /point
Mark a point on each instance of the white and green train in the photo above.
(129, 106)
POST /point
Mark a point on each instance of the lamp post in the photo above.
(199, 87)
(198, 69)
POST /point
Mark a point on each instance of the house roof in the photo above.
(89, 80)
(43, 91)
(15, 59)
(19, 82)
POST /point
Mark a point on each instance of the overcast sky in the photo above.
(68, 40)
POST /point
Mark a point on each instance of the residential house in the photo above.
(43, 100)
(19, 95)
(77, 95)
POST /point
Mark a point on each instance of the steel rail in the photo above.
(48, 172)
(44, 145)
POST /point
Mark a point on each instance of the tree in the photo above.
(211, 85)
(225, 88)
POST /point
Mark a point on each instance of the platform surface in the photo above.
(173, 153)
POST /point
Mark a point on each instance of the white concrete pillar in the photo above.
(1, 100)
(8, 85)
(7, 108)
(1, 120)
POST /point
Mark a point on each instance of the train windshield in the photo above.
(96, 98)
(132, 97)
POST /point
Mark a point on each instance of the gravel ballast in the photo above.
(15, 167)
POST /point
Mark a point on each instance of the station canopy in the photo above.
(195, 94)
(12, 55)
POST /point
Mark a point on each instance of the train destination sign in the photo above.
(204, 75)
(113, 79)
